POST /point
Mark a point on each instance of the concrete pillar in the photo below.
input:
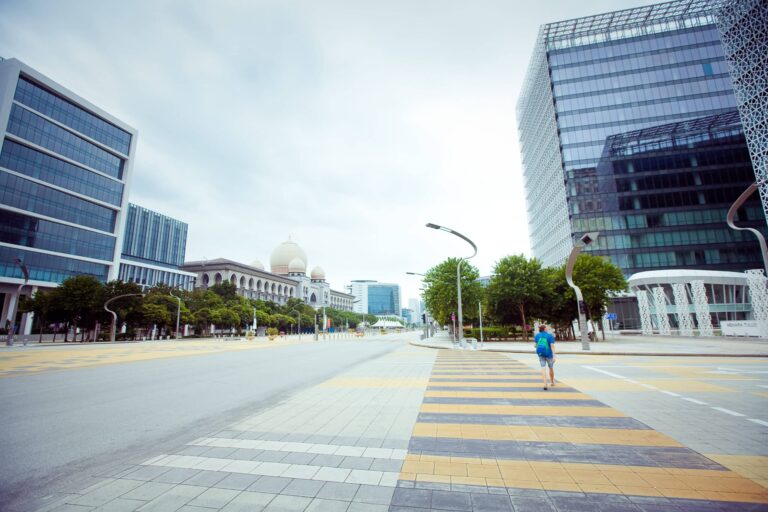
(6, 308)
(28, 319)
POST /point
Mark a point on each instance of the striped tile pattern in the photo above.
(488, 437)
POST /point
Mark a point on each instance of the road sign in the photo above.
(610, 316)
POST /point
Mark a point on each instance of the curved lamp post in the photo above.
(585, 241)
(458, 270)
(732, 213)
(178, 311)
(114, 315)
(14, 309)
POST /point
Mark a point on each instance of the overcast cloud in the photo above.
(345, 124)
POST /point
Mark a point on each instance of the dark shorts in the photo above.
(548, 361)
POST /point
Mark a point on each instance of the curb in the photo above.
(591, 353)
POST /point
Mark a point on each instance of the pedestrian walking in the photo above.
(545, 349)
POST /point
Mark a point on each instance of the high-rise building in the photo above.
(628, 126)
(65, 166)
(154, 246)
(374, 298)
(744, 30)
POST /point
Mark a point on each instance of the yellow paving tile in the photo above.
(600, 488)
(466, 480)
(523, 484)
(451, 469)
(638, 490)
(440, 479)
(418, 467)
(585, 476)
(509, 394)
(522, 410)
(561, 486)
(462, 384)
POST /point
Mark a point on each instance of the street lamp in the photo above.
(458, 270)
(114, 315)
(178, 311)
(585, 241)
(732, 213)
(12, 311)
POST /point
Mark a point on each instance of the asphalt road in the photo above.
(60, 427)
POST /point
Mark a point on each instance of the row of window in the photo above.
(637, 262)
(692, 71)
(734, 175)
(637, 45)
(26, 195)
(19, 229)
(44, 167)
(749, 212)
(633, 63)
(725, 195)
(150, 277)
(34, 128)
(45, 267)
(587, 105)
(71, 115)
(671, 238)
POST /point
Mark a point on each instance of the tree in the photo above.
(128, 309)
(44, 306)
(517, 286)
(440, 296)
(226, 290)
(598, 279)
(79, 298)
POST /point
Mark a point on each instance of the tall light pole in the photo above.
(114, 315)
(458, 270)
(178, 311)
(14, 309)
(585, 241)
(732, 213)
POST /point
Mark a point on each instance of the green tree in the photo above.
(516, 288)
(79, 298)
(226, 290)
(155, 314)
(440, 295)
(598, 278)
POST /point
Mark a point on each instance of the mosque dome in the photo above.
(318, 273)
(257, 264)
(297, 266)
(284, 254)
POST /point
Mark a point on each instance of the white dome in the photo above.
(257, 264)
(297, 266)
(318, 273)
(284, 254)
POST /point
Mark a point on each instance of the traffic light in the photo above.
(423, 318)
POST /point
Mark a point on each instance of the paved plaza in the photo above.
(421, 429)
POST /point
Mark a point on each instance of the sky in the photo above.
(346, 125)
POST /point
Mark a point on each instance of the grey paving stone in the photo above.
(420, 498)
(251, 435)
(434, 486)
(173, 499)
(206, 478)
(271, 456)
(249, 502)
(192, 450)
(371, 442)
(321, 505)
(68, 507)
(319, 439)
(301, 487)
(298, 458)
(338, 491)
(147, 473)
(219, 452)
(295, 437)
(288, 504)
(386, 465)
(357, 506)
(106, 493)
(374, 494)
(345, 440)
(176, 475)
(237, 481)
(451, 501)
(227, 434)
(332, 461)
(148, 491)
(270, 484)
(190, 508)
(398, 444)
(356, 463)
(120, 505)
(214, 498)
(531, 504)
(490, 503)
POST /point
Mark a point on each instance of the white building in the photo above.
(287, 278)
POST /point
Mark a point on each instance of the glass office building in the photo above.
(628, 126)
(384, 299)
(64, 169)
(154, 246)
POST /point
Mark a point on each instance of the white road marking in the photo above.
(610, 374)
(728, 411)
(694, 400)
(759, 422)
(669, 393)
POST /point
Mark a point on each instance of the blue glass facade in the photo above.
(384, 299)
(641, 129)
(62, 180)
(154, 238)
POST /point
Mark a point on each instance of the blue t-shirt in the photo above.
(550, 341)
